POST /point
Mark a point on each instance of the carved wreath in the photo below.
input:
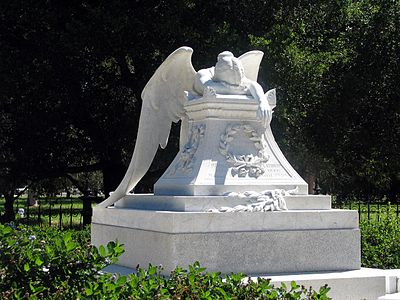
(242, 165)
(186, 159)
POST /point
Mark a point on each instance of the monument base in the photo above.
(365, 283)
(248, 242)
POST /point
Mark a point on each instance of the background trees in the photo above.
(337, 67)
(72, 74)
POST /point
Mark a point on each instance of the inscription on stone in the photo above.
(275, 171)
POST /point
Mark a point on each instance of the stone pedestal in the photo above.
(227, 152)
(296, 240)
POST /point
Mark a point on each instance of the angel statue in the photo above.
(229, 77)
(164, 98)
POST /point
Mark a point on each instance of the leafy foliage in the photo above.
(380, 242)
(49, 264)
(336, 66)
(72, 74)
(38, 263)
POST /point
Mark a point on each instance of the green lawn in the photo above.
(49, 210)
(372, 211)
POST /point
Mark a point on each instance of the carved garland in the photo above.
(187, 155)
(242, 165)
(269, 200)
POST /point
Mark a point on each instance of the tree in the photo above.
(336, 68)
(73, 74)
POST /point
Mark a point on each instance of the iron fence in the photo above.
(68, 213)
(370, 210)
(64, 213)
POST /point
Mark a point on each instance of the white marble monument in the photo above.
(230, 199)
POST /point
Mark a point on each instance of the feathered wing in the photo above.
(163, 99)
(251, 63)
(184, 134)
(271, 98)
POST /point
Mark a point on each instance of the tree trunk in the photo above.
(310, 178)
(112, 176)
(32, 198)
(9, 214)
(87, 210)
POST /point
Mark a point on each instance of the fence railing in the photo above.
(75, 212)
(64, 213)
(370, 210)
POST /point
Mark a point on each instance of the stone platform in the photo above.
(204, 203)
(366, 283)
(296, 240)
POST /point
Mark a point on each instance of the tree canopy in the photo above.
(337, 68)
(72, 74)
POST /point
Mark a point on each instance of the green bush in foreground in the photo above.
(46, 263)
(380, 242)
(37, 263)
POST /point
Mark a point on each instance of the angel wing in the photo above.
(271, 98)
(251, 63)
(163, 100)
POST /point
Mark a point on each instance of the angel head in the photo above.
(229, 69)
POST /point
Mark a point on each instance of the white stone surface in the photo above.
(251, 252)
(237, 153)
(257, 201)
(192, 222)
(394, 296)
(204, 203)
(253, 243)
(347, 285)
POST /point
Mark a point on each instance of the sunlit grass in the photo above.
(49, 211)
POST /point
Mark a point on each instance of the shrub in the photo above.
(40, 263)
(380, 242)
(195, 283)
(50, 264)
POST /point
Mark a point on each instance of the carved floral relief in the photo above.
(246, 164)
(186, 158)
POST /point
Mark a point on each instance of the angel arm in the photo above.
(229, 80)
(264, 112)
(204, 80)
(251, 62)
(267, 104)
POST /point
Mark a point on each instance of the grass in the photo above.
(371, 211)
(49, 211)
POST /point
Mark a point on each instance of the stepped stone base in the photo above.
(369, 284)
(394, 296)
(250, 242)
(204, 203)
